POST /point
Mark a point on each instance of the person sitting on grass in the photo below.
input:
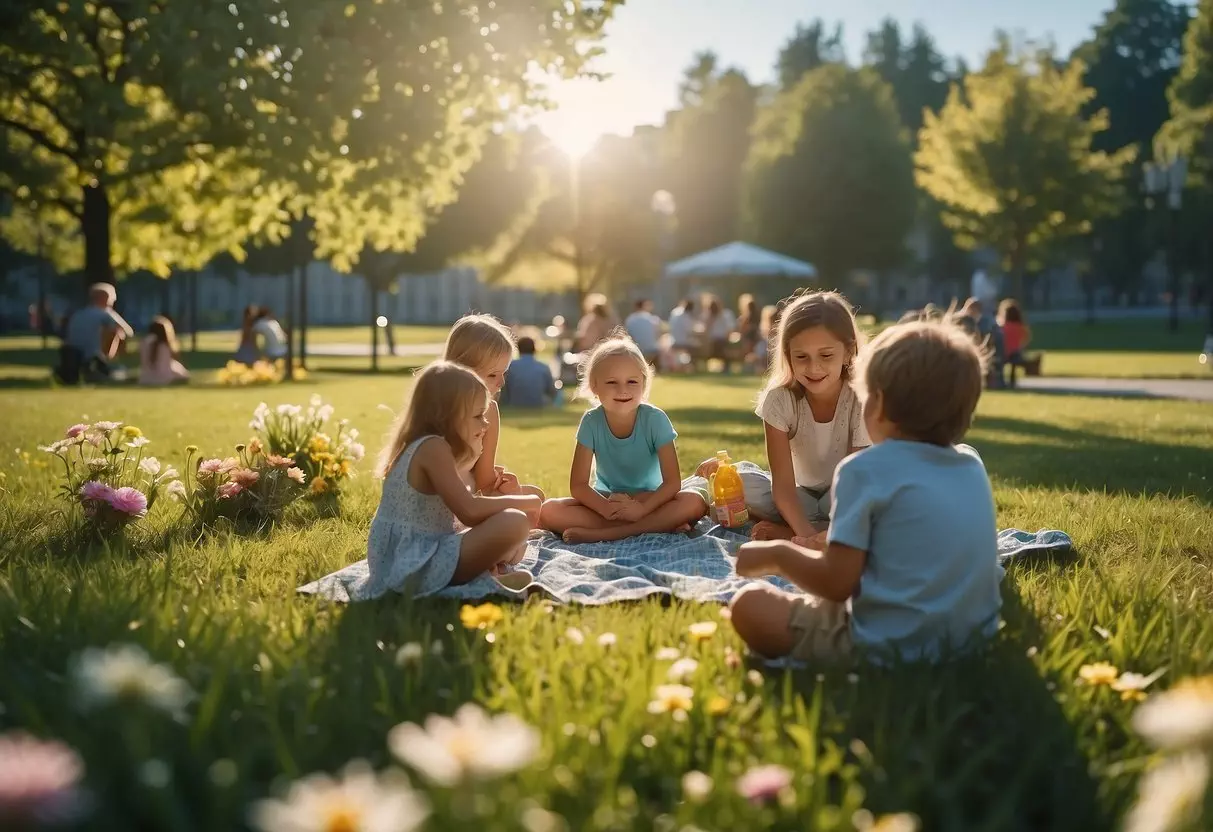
(1016, 335)
(96, 335)
(529, 382)
(159, 355)
(636, 485)
(910, 568)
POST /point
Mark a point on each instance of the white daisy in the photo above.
(667, 654)
(471, 745)
(176, 490)
(138, 442)
(1171, 795)
(125, 672)
(681, 669)
(607, 640)
(696, 786)
(1181, 717)
(574, 635)
(150, 465)
(409, 653)
(360, 801)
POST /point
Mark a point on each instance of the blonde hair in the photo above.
(444, 395)
(929, 375)
(475, 341)
(618, 344)
(828, 309)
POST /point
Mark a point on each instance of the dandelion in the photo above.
(131, 432)
(176, 490)
(410, 653)
(229, 490)
(150, 465)
(76, 431)
(668, 654)
(1171, 795)
(319, 486)
(1132, 686)
(296, 474)
(359, 801)
(575, 636)
(1100, 673)
(607, 640)
(472, 745)
(480, 617)
(324, 412)
(716, 706)
(129, 501)
(1181, 717)
(703, 630)
(39, 782)
(126, 673)
(696, 786)
(190, 450)
(681, 669)
(356, 450)
(673, 699)
(763, 783)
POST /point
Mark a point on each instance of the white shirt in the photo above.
(682, 328)
(275, 338)
(644, 328)
(817, 447)
(724, 325)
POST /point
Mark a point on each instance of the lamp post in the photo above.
(1164, 182)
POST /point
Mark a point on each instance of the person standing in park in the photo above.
(645, 329)
(529, 382)
(682, 333)
(596, 324)
(95, 336)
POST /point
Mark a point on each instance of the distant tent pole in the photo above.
(193, 286)
(374, 324)
(289, 373)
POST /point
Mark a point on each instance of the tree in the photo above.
(809, 48)
(1010, 157)
(830, 177)
(361, 115)
(705, 144)
(916, 71)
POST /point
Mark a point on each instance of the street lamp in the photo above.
(1166, 178)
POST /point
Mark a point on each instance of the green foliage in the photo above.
(809, 47)
(1190, 129)
(1010, 157)
(830, 178)
(915, 70)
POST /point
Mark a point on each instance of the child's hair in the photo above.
(1009, 312)
(163, 335)
(526, 345)
(617, 344)
(828, 309)
(769, 321)
(443, 397)
(476, 341)
(929, 376)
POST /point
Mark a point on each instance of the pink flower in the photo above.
(296, 474)
(763, 783)
(229, 464)
(129, 501)
(229, 490)
(39, 782)
(93, 490)
(279, 461)
(76, 430)
(245, 476)
(207, 468)
(106, 427)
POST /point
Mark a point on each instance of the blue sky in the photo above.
(651, 41)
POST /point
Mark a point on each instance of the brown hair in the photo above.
(828, 309)
(1009, 312)
(929, 376)
(475, 341)
(616, 345)
(163, 335)
(444, 395)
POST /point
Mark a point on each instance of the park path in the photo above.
(1192, 389)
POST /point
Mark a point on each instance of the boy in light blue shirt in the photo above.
(911, 566)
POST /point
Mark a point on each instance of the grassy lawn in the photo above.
(285, 686)
(1121, 349)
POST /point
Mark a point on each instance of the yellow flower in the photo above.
(318, 443)
(480, 617)
(131, 432)
(1100, 673)
(318, 486)
(703, 630)
(673, 699)
(254, 446)
(344, 469)
(716, 706)
(300, 373)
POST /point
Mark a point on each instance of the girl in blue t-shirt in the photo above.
(625, 479)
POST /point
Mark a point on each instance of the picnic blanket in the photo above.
(697, 567)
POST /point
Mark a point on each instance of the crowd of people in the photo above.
(1005, 336)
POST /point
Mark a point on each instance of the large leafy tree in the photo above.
(810, 47)
(830, 177)
(705, 146)
(158, 133)
(915, 69)
(1011, 158)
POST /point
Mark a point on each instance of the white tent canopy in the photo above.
(739, 260)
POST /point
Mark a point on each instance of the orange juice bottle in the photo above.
(728, 495)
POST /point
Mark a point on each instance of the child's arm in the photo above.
(580, 489)
(671, 484)
(833, 574)
(438, 464)
(485, 473)
(783, 483)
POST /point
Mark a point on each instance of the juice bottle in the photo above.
(728, 495)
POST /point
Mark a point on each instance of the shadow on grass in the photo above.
(1063, 458)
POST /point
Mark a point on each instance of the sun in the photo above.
(584, 111)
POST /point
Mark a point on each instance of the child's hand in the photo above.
(620, 498)
(707, 468)
(531, 504)
(757, 560)
(631, 511)
(506, 483)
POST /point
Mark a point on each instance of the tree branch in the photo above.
(35, 98)
(38, 137)
(69, 206)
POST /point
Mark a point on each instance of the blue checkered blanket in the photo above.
(697, 567)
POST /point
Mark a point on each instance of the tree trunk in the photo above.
(303, 313)
(1173, 267)
(95, 225)
(374, 326)
(193, 311)
(289, 372)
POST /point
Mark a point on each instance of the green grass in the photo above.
(286, 685)
(1121, 349)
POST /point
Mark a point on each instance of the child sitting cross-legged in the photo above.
(910, 567)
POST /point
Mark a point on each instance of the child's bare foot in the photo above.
(816, 542)
(582, 535)
(766, 530)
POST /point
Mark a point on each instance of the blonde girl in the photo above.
(625, 478)
(812, 417)
(484, 345)
(430, 530)
(159, 355)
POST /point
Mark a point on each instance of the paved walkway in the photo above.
(1191, 389)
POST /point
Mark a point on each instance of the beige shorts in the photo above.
(820, 629)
